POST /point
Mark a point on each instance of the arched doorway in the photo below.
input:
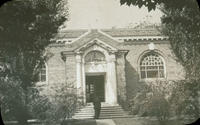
(95, 63)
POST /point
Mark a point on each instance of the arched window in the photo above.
(152, 66)
(94, 56)
(42, 74)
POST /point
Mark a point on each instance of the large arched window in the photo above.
(152, 66)
(94, 56)
(42, 76)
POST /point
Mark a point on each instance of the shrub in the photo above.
(153, 100)
(185, 99)
(64, 102)
(12, 100)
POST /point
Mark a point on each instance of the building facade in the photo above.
(112, 63)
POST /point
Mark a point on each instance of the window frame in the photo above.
(39, 81)
(158, 67)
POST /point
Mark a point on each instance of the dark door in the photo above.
(95, 84)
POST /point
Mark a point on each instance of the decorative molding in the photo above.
(48, 55)
(122, 52)
(96, 42)
(142, 38)
(151, 46)
(65, 53)
(145, 42)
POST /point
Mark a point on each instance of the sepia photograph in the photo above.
(100, 62)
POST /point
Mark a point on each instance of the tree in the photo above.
(181, 23)
(26, 28)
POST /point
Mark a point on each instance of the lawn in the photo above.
(133, 121)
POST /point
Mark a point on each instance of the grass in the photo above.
(133, 121)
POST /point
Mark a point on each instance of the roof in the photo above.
(132, 32)
(114, 32)
(94, 34)
(70, 34)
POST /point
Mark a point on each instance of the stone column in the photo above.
(78, 74)
(111, 85)
(83, 83)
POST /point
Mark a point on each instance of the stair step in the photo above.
(107, 111)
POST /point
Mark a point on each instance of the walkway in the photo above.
(95, 122)
(105, 122)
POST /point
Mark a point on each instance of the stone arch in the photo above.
(95, 56)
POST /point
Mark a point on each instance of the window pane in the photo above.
(152, 67)
(43, 78)
(161, 67)
(152, 74)
(161, 73)
(43, 72)
(143, 74)
(142, 68)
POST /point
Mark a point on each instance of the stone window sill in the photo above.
(40, 84)
(152, 79)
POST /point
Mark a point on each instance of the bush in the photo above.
(64, 102)
(38, 104)
(164, 99)
(185, 99)
(153, 100)
(12, 100)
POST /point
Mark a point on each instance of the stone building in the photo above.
(114, 63)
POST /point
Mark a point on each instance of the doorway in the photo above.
(95, 84)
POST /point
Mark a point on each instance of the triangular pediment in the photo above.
(95, 37)
(96, 42)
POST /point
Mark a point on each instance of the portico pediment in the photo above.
(95, 37)
(95, 44)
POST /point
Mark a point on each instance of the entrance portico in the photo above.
(94, 59)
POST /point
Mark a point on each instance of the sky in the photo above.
(96, 14)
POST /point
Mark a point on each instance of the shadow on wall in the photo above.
(133, 85)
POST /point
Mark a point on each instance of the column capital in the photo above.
(112, 58)
(64, 54)
(78, 58)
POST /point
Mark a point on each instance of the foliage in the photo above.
(26, 28)
(13, 105)
(12, 99)
(184, 99)
(181, 23)
(64, 102)
(152, 4)
(38, 104)
(153, 100)
(164, 99)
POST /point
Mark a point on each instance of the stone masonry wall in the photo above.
(121, 79)
(71, 70)
(174, 71)
(128, 81)
(59, 71)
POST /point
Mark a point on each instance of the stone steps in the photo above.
(107, 112)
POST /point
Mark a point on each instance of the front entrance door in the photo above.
(95, 84)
